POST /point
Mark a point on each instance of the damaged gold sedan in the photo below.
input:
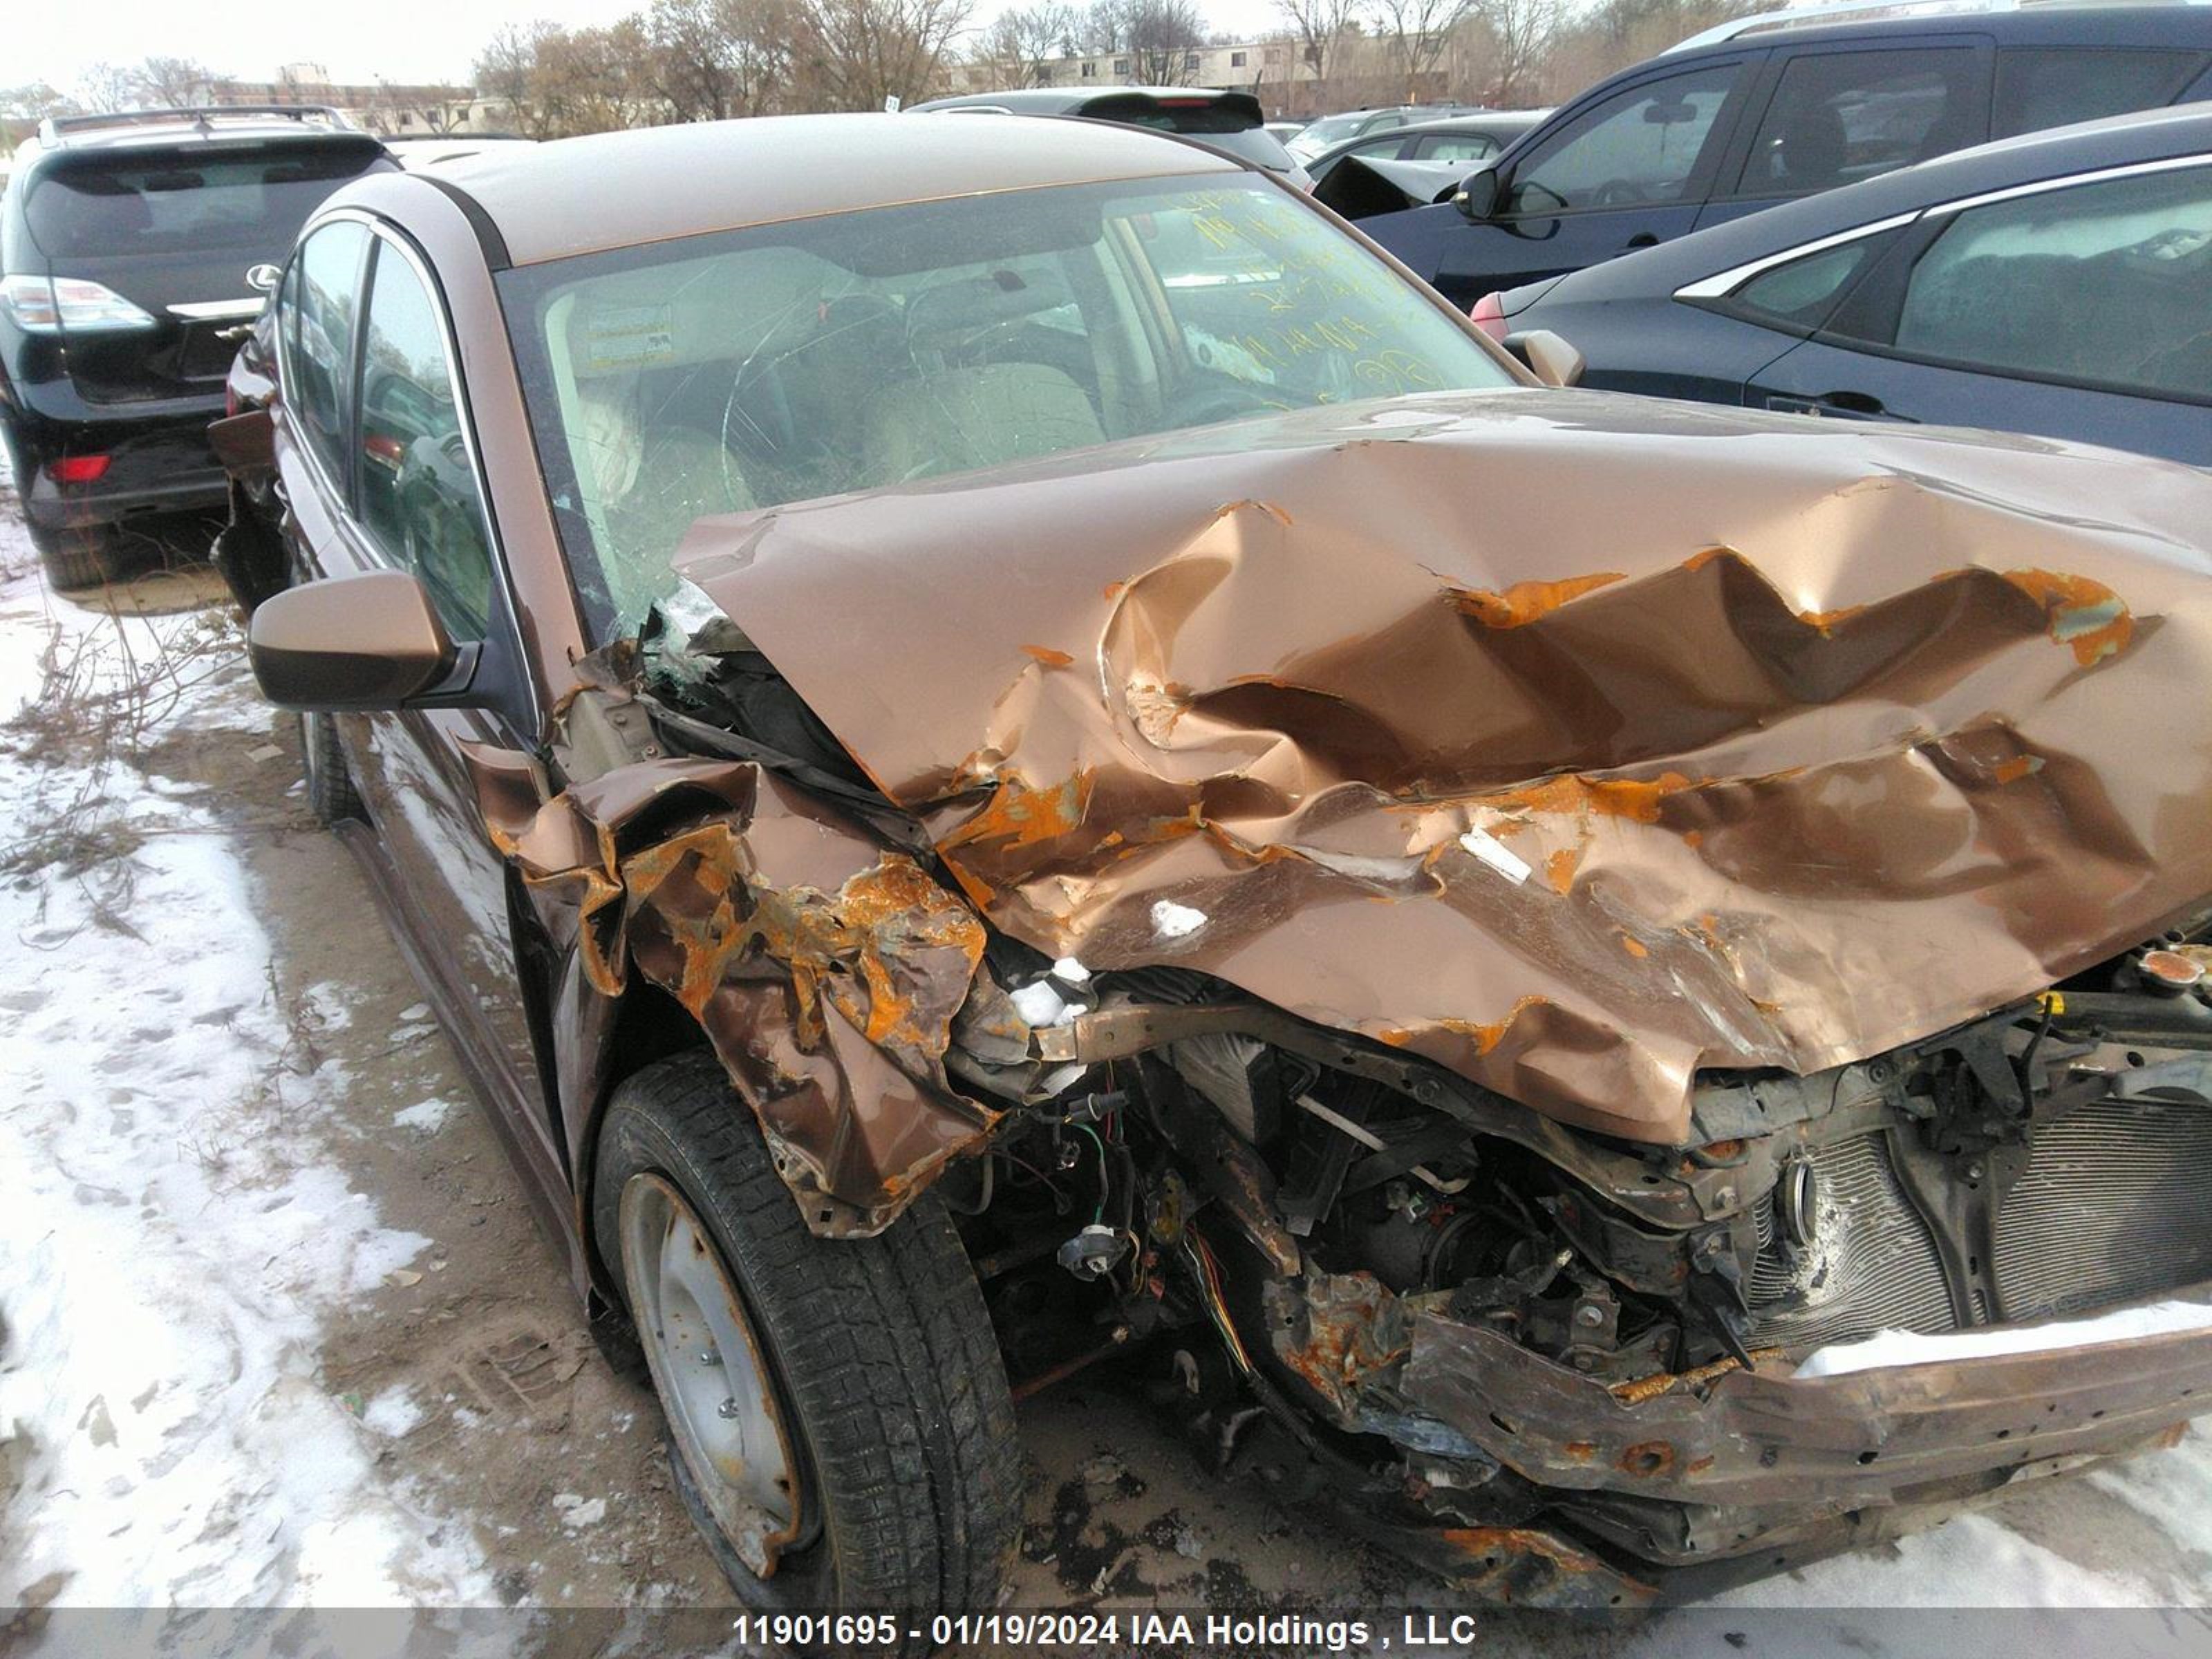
(1001, 756)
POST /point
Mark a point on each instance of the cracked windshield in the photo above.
(715, 375)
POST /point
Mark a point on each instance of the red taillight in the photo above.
(78, 469)
(1488, 314)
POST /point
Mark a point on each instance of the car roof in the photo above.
(2176, 25)
(1037, 100)
(1789, 22)
(2058, 152)
(656, 184)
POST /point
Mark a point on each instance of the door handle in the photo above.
(1845, 405)
(1642, 239)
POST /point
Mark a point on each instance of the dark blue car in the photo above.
(2058, 284)
(1714, 131)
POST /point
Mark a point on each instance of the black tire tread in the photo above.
(883, 1342)
(330, 793)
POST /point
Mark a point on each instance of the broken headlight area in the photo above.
(1566, 1367)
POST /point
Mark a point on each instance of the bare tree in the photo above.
(855, 54)
(171, 82)
(713, 59)
(592, 80)
(507, 70)
(1321, 29)
(1162, 36)
(1419, 31)
(1020, 47)
(1523, 33)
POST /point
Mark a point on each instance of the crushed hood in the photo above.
(1576, 742)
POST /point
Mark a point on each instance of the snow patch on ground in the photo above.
(393, 1412)
(578, 1512)
(428, 1116)
(176, 1233)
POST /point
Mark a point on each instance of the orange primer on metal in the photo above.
(2079, 612)
(1525, 602)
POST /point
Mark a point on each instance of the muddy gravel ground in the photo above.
(473, 1388)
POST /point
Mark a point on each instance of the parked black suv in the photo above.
(1711, 132)
(126, 247)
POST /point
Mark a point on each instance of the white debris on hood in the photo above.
(1887, 1348)
(1041, 1004)
(1068, 971)
(1173, 920)
(1497, 855)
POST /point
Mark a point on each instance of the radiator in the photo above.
(2116, 1204)
(1871, 1265)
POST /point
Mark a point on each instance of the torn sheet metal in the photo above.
(825, 968)
(1801, 741)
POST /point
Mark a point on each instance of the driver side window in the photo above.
(419, 498)
(1640, 146)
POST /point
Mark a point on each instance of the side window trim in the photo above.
(1728, 123)
(1737, 162)
(1721, 283)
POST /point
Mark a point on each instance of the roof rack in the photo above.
(55, 128)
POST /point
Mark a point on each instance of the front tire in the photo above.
(859, 1453)
(330, 794)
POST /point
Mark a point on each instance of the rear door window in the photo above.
(1640, 146)
(1839, 116)
(419, 498)
(2107, 283)
(181, 203)
(319, 338)
(1454, 146)
(2052, 86)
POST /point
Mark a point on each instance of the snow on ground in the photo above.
(175, 1235)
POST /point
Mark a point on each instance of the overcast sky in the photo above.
(402, 40)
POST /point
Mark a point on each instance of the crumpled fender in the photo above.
(825, 968)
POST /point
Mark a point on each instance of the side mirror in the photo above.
(1548, 357)
(1477, 195)
(361, 642)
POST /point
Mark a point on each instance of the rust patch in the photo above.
(1047, 656)
(1559, 869)
(1635, 946)
(1525, 602)
(1017, 815)
(1635, 799)
(2079, 612)
(1642, 1388)
(1336, 1331)
(2018, 767)
(1649, 1458)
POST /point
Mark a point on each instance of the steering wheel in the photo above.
(1618, 192)
(1203, 402)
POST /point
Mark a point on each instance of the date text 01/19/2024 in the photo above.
(1278, 1632)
